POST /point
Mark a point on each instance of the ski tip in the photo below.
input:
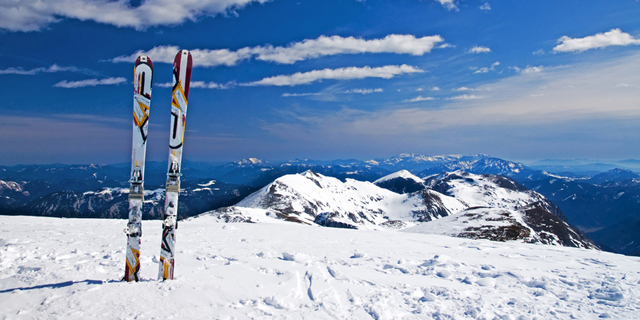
(144, 59)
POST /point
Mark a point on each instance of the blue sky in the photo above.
(280, 79)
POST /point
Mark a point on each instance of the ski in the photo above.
(180, 94)
(142, 79)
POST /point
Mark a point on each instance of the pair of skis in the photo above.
(143, 76)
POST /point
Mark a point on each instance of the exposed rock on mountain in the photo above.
(402, 181)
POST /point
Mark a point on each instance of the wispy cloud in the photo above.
(364, 91)
(479, 49)
(528, 69)
(301, 94)
(31, 15)
(463, 89)
(485, 6)
(386, 72)
(297, 51)
(486, 69)
(51, 69)
(615, 37)
(449, 4)
(201, 85)
(465, 97)
(90, 82)
(419, 98)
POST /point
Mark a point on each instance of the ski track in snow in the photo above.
(70, 269)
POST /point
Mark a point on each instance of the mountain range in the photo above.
(603, 204)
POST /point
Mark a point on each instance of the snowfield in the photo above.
(70, 269)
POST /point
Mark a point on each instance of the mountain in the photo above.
(614, 175)
(483, 165)
(589, 206)
(622, 237)
(311, 198)
(402, 181)
(416, 162)
(195, 197)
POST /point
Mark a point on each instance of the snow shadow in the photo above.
(58, 285)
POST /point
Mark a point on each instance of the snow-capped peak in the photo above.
(404, 174)
(250, 161)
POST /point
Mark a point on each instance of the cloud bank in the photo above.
(386, 72)
(615, 37)
(296, 51)
(34, 15)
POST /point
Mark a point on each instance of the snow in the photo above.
(478, 191)
(208, 184)
(54, 268)
(400, 174)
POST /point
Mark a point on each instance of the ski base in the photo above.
(134, 233)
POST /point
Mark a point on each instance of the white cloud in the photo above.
(419, 98)
(297, 51)
(201, 57)
(486, 69)
(528, 69)
(533, 69)
(51, 69)
(449, 4)
(300, 94)
(386, 72)
(615, 37)
(435, 89)
(479, 49)
(465, 97)
(538, 52)
(462, 89)
(364, 91)
(485, 6)
(446, 45)
(326, 46)
(200, 84)
(89, 82)
(34, 15)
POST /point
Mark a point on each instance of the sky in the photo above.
(330, 79)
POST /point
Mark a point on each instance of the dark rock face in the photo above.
(512, 231)
(401, 185)
(435, 208)
(551, 228)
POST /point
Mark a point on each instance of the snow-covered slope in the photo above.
(313, 198)
(53, 268)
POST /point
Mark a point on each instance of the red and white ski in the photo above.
(181, 81)
(142, 79)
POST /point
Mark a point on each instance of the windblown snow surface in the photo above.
(53, 268)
